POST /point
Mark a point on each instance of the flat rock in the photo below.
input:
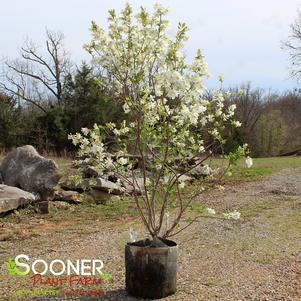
(68, 196)
(181, 179)
(108, 186)
(12, 198)
(102, 197)
(101, 184)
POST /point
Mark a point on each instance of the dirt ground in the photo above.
(257, 258)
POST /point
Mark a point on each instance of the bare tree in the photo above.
(250, 106)
(293, 46)
(38, 76)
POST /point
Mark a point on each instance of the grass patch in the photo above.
(273, 232)
(87, 211)
(262, 167)
(64, 164)
(260, 208)
(79, 219)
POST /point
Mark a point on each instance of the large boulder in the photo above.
(26, 169)
(12, 198)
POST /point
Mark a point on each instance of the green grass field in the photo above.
(264, 167)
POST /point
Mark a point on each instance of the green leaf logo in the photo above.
(12, 269)
(105, 276)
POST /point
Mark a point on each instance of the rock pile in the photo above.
(103, 190)
(31, 178)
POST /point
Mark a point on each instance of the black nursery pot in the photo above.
(151, 272)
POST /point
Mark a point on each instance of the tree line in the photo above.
(44, 97)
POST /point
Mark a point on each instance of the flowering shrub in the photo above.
(169, 118)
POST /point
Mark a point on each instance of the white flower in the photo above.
(210, 117)
(85, 131)
(110, 125)
(116, 132)
(210, 211)
(94, 136)
(95, 148)
(182, 185)
(221, 78)
(237, 123)
(124, 130)
(201, 149)
(109, 163)
(126, 108)
(232, 215)
(249, 162)
(122, 161)
(85, 142)
(231, 110)
(218, 112)
(215, 133)
(232, 107)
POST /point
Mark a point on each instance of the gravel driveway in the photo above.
(257, 258)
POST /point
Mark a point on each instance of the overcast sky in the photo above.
(241, 39)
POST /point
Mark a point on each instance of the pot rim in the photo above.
(173, 245)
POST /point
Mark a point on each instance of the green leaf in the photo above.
(12, 269)
(105, 276)
(10, 264)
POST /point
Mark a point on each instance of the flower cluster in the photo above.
(146, 68)
(93, 151)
